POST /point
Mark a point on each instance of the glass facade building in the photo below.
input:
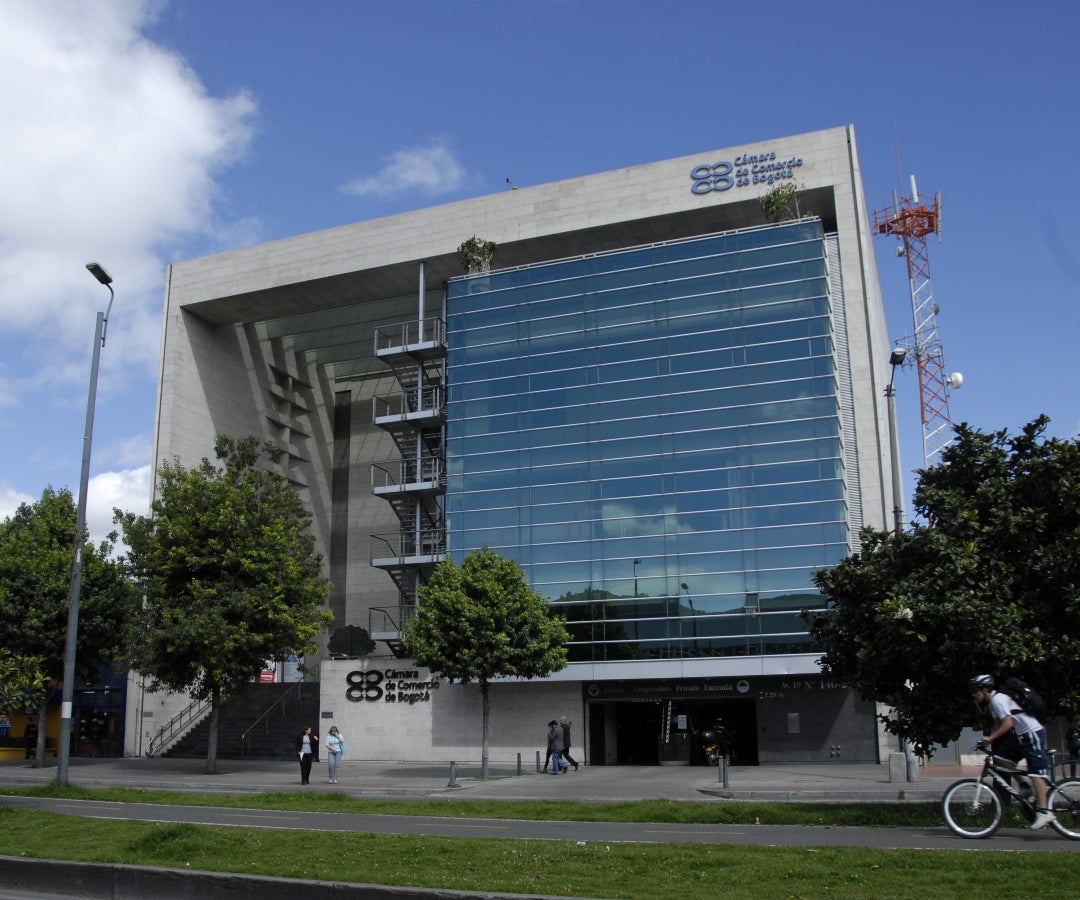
(655, 434)
(669, 409)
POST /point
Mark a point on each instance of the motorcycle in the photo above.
(718, 742)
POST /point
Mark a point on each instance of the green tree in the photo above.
(230, 575)
(481, 621)
(476, 255)
(24, 683)
(989, 582)
(36, 554)
(781, 204)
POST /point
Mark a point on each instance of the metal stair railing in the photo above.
(169, 733)
(263, 717)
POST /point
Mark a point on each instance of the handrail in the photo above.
(280, 700)
(404, 612)
(182, 720)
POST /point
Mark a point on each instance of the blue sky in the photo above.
(137, 133)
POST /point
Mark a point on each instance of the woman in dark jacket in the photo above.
(307, 749)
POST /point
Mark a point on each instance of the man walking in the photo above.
(555, 742)
(567, 758)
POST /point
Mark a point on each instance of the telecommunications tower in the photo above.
(912, 222)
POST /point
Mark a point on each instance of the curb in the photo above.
(58, 878)
(900, 795)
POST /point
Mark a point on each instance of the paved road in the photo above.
(824, 783)
(589, 832)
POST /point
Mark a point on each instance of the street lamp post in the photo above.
(637, 562)
(896, 359)
(75, 587)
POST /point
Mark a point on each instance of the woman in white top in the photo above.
(335, 749)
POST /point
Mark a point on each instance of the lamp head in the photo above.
(897, 357)
(99, 273)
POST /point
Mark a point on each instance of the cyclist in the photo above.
(1030, 734)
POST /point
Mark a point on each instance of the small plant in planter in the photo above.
(781, 204)
(476, 255)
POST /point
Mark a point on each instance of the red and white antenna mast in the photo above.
(912, 221)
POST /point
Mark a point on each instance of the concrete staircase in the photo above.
(263, 725)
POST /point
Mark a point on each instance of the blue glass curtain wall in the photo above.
(654, 435)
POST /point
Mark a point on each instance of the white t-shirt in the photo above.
(1002, 705)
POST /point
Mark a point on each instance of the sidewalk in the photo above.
(820, 782)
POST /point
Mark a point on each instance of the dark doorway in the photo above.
(637, 729)
(638, 733)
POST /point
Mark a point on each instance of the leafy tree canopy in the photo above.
(781, 204)
(36, 553)
(230, 575)
(990, 585)
(23, 682)
(482, 621)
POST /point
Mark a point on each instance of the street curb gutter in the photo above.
(118, 882)
(766, 795)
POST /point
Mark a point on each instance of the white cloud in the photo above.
(10, 500)
(129, 451)
(110, 149)
(430, 169)
(127, 490)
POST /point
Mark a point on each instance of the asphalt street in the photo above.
(574, 832)
(822, 783)
(27, 879)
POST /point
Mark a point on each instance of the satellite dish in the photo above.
(955, 381)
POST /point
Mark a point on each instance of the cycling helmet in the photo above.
(982, 681)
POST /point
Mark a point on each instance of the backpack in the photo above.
(1026, 697)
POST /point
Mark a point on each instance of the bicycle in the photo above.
(975, 807)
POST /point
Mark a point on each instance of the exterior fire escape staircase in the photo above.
(414, 484)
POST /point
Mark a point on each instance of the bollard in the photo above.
(538, 761)
(453, 775)
(519, 770)
(897, 767)
(721, 773)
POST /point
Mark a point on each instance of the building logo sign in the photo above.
(389, 686)
(744, 170)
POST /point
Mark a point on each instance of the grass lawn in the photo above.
(912, 815)
(554, 868)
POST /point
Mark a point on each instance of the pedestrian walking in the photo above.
(555, 742)
(335, 749)
(565, 723)
(30, 736)
(307, 750)
(547, 754)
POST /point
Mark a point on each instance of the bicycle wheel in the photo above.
(1064, 802)
(972, 809)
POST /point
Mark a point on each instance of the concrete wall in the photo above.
(390, 710)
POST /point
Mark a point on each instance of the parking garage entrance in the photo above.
(775, 718)
(656, 723)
